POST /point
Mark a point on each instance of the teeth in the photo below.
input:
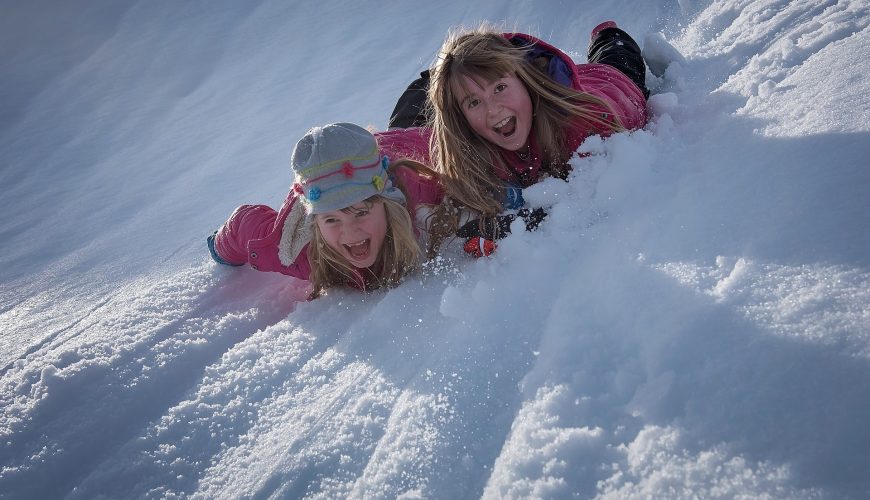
(502, 123)
(360, 243)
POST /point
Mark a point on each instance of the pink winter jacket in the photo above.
(609, 84)
(254, 234)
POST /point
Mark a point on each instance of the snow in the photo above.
(691, 320)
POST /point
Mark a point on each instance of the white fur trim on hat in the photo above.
(295, 234)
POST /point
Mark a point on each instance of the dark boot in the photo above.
(610, 45)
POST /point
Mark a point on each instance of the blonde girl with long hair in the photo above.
(508, 109)
(352, 218)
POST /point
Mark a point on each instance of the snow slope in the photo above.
(692, 320)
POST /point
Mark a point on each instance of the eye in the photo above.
(362, 213)
(500, 87)
(329, 220)
(472, 103)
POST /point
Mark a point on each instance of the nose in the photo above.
(352, 227)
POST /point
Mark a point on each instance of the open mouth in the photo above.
(359, 250)
(506, 127)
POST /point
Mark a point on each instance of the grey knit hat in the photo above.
(338, 165)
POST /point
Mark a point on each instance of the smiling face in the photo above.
(499, 111)
(356, 232)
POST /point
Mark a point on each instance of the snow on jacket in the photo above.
(268, 240)
(607, 83)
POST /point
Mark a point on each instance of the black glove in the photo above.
(490, 228)
(532, 217)
(496, 228)
(481, 234)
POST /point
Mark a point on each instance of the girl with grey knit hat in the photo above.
(352, 218)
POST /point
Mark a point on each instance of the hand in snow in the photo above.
(482, 233)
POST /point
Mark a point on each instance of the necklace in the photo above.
(525, 155)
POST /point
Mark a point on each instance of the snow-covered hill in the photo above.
(692, 320)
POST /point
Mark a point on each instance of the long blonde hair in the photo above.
(466, 161)
(399, 256)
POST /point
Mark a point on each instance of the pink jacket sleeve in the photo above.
(248, 222)
(421, 190)
(251, 236)
(407, 143)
